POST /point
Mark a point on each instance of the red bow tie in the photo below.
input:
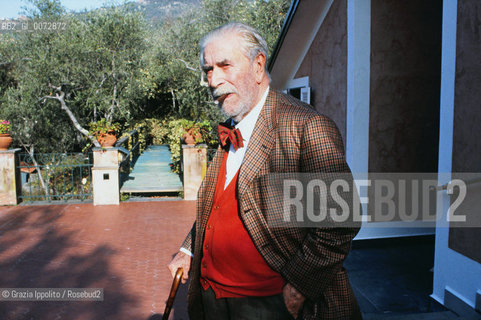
(231, 134)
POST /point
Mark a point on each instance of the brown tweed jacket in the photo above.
(289, 136)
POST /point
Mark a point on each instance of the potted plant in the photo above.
(194, 132)
(177, 133)
(105, 132)
(5, 138)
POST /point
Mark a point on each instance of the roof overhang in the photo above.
(301, 25)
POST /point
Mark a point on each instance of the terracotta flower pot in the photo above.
(107, 140)
(189, 137)
(5, 141)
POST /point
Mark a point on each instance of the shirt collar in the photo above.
(246, 125)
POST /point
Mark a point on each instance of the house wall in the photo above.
(326, 65)
(405, 85)
(467, 95)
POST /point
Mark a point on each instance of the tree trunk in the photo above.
(61, 98)
(31, 153)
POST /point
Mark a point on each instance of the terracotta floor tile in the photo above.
(123, 249)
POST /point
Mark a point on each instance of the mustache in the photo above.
(222, 91)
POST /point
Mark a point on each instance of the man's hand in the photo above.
(180, 260)
(293, 299)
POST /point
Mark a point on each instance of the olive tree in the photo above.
(61, 81)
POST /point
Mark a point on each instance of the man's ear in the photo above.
(259, 67)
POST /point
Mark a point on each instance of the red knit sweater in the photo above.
(231, 264)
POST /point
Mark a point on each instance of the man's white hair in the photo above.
(252, 43)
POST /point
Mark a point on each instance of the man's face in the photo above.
(230, 75)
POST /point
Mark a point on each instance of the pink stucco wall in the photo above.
(326, 65)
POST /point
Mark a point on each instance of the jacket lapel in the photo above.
(260, 145)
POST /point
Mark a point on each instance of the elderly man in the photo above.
(240, 267)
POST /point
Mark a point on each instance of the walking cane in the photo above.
(173, 292)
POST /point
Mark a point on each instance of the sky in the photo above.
(11, 8)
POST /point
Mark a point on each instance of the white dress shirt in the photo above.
(246, 127)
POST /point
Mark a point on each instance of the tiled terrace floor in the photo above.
(123, 249)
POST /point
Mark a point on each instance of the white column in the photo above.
(105, 176)
(9, 177)
(358, 90)
(448, 74)
(195, 166)
(358, 84)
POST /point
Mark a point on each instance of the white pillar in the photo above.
(105, 176)
(195, 165)
(9, 177)
(358, 84)
(358, 92)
